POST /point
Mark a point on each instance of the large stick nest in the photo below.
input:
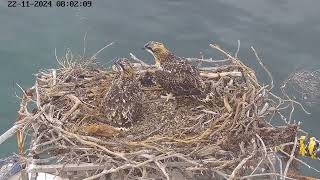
(228, 136)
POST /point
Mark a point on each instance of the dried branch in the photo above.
(94, 56)
(264, 67)
(291, 157)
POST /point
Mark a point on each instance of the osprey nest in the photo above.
(228, 136)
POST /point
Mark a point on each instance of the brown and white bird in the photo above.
(176, 74)
(123, 100)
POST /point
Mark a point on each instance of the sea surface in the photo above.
(286, 34)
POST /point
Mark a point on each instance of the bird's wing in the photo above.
(187, 76)
(113, 97)
(122, 101)
(132, 98)
(180, 78)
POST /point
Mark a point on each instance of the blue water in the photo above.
(285, 33)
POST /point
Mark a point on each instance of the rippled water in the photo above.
(285, 32)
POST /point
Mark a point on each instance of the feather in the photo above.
(123, 100)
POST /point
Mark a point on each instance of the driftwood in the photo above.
(226, 136)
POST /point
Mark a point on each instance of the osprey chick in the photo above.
(177, 75)
(123, 100)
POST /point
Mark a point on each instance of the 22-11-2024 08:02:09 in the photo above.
(50, 3)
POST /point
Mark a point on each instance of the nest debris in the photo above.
(226, 137)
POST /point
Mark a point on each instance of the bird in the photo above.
(123, 101)
(176, 75)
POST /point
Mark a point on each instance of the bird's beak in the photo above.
(147, 46)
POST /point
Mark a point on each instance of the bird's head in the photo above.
(158, 50)
(124, 66)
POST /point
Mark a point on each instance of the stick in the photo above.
(238, 49)
(208, 60)
(75, 107)
(235, 171)
(95, 55)
(84, 45)
(265, 174)
(9, 133)
(264, 67)
(222, 74)
(163, 169)
(138, 60)
(291, 157)
(65, 167)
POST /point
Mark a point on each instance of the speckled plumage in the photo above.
(177, 75)
(123, 100)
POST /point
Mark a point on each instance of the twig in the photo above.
(138, 60)
(215, 46)
(291, 157)
(265, 154)
(65, 167)
(226, 104)
(265, 174)
(304, 163)
(222, 74)
(95, 55)
(239, 166)
(38, 102)
(291, 112)
(54, 77)
(84, 44)
(210, 60)
(264, 67)
(163, 169)
(77, 102)
(280, 165)
(120, 155)
(238, 49)
(23, 91)
(57, 59)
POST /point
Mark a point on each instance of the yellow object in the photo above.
(312, 143)
(302, 149)
(309, 147)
